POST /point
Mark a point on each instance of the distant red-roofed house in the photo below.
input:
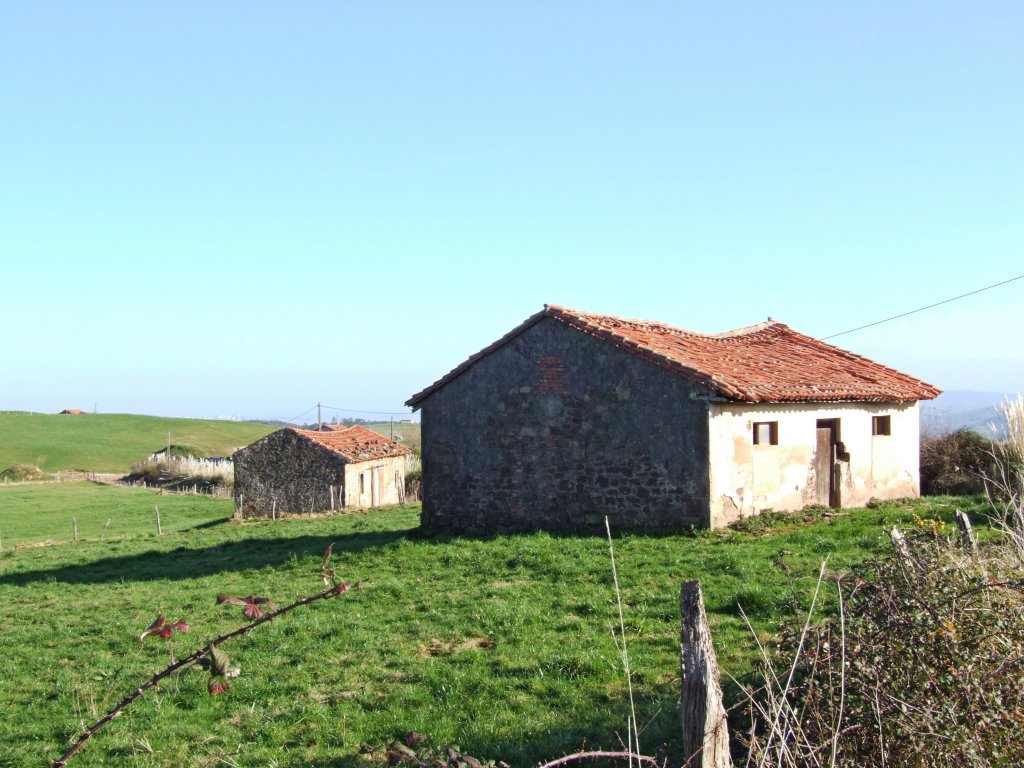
(70, 412)
(296, 470)
(572, 416)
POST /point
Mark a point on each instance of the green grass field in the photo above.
(501, 645)
(410, 433)
(112, 442)
(33, 514)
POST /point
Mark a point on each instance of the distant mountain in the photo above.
(964, 408)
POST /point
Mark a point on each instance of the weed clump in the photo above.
(183, 472)
(22, 473)
(921, 668)
(768, 519)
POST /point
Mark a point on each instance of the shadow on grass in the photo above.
(592, 729)
(196, 562)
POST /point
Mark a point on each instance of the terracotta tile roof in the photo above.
(764, 363)
(355, 443)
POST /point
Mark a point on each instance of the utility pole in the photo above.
(392, 429)
(319, 428)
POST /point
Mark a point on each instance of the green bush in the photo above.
(21, 473)
(414, 484)
(955, 464)
(923, 668)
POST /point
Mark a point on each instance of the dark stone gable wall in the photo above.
(555, 430)
(289, 469)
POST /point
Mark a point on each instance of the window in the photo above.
(362, 483)
(881, 425)
(766, 433)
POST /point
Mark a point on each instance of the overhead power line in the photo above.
(296, 418)
(922, 309)
(375, 413)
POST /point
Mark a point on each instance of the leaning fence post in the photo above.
(705, 727)
(963, 522)
(158, 530)
(902, 548)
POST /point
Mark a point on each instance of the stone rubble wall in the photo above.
(555, 430)
(290, 470)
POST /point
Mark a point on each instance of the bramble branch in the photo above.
(336, 590)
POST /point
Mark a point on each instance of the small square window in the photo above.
(766, 433)
(881, 425)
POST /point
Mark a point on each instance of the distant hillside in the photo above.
(964, 408)
(112, 442)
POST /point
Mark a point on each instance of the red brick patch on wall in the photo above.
(552, 375)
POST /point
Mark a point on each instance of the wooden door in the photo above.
(826, 470)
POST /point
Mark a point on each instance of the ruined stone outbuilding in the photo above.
(572, 416)
(299, 471)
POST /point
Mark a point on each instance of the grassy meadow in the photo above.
(502, 645)
(112, 442)
(38, 514)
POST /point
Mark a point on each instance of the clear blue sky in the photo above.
(243, 208)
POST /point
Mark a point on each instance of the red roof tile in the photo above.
(355, 443)
(764, 363)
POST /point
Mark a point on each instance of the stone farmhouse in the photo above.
(572, 416)
(296, 470)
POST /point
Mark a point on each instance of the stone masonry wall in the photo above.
(555, 430)
(290, 470)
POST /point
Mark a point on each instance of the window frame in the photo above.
(773, 432)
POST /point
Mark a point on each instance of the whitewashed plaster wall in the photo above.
(390, 480)
(746, 478)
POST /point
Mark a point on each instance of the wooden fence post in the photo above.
(705, 727)
(158, 529)
(273, 509)
(74, 528)
(966, 531)
(899, 541)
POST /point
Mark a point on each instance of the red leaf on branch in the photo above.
(156, 628)
(253, 607)
(161, 627)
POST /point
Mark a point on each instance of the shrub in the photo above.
(175, 472)
(1005, 484)
(413, 484)
(955, 464)
(21, 473)
(922, 668)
